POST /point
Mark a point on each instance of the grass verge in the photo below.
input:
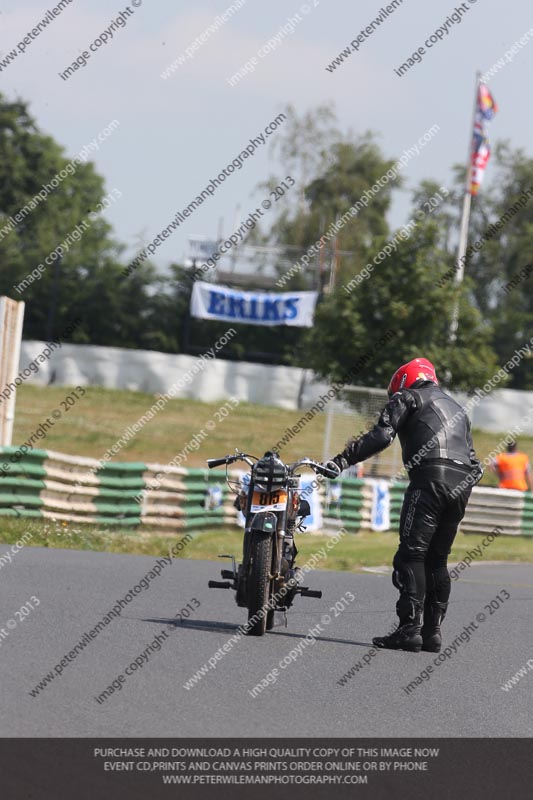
(99, 419)
(354, 551)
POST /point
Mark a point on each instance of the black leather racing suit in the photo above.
(437, 451)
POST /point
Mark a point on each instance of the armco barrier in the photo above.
(397, 491)
(353, 508)
(43, 483)
(488, 507)
(527, 515)
(53, 485)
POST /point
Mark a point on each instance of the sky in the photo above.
(176, 134)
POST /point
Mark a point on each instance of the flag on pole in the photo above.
(486, 108)
(487, 104)
(480, 160)
(478, 155)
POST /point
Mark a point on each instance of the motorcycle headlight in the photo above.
(269, 473)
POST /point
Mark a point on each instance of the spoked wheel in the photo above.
(259, 584)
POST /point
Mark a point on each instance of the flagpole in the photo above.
(465, 220)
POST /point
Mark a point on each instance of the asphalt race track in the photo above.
(462, 696)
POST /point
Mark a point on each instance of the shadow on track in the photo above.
(219, 627)
(197, 624)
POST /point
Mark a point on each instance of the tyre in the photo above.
(259, 584)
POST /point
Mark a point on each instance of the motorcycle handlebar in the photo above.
(326, 470)
(329, 470)
(218, 462)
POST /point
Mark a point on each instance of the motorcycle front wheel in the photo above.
(259, 585)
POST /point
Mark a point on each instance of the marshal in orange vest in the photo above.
(513, 470)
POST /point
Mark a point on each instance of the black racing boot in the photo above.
(407, 634)
(434, 613)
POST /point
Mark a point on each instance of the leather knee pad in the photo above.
(408, 577)
(403, 576)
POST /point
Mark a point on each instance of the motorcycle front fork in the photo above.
(289, 550)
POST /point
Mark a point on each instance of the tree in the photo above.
(303, 147)
(29, 161)
(401, 294)
(494, 321)
(505, 254)
(347, 167)
(400, 302)
(86, 282)
(410, 291)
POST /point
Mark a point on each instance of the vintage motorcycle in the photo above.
(268, 580)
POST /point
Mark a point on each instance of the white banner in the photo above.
(211, 301)
(308, 492)
(380, 515)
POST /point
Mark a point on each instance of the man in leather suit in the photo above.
(437, 451)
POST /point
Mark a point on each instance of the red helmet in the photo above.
(419, 369)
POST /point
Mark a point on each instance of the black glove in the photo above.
(340, 461)
(478, 470)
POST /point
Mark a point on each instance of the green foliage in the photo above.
(401, 291)
(504, 256)
(29, 160)
(86, 283)
(342, 169)
(332, 170)
(400, 295)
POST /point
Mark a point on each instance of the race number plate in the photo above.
(268, 501)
